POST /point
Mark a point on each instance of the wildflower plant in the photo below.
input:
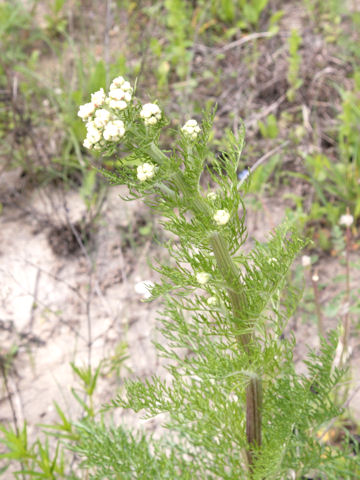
(235, 406)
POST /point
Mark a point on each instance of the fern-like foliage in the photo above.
(224, 313)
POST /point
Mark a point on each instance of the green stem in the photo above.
(253, 417)
(156, 154)
(230, 273)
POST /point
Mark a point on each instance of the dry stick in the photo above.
(262, 159)
(246, 39)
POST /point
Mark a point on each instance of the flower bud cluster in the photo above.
(145, 171)
(100, 114)
(150, 113)
(191, 129)
(120, 94)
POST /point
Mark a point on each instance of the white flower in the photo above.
(272, 261)
(98, 98)
(117, 94)
(305, 261)
(203, 277)
(221, 217)
(93, 134)
(191, 129)
(346, 220)
(212, 301)
(118, 82)
(144, 288)
(117, 104)
(211, 196)
(86, 110)
(150, 113)
(87, 144)
(102, 117)
(315, 278)
(114, 130)
(145, 171)
(127, 87)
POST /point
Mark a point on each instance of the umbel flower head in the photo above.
(221, 217)
(145, 171)
(101, 114)
(114, 130)
(150, 113)
(191, 129)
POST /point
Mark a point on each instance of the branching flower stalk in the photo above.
(234, 387)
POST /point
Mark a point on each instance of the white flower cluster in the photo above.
(101, 123)
(221, 217)
(346, 220)
(150, 113)
(191, 129)
(145, 171)
(203, 277)
(120, 94)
